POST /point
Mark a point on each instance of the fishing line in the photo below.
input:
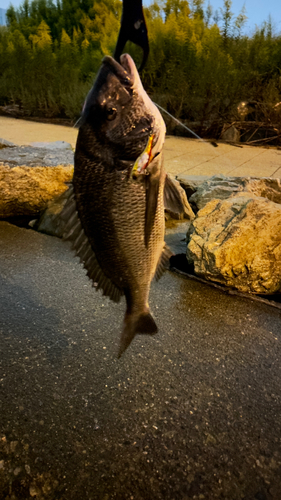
(213, 143)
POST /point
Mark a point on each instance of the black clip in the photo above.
(133, 28)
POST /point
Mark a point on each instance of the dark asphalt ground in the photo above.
(192, 413)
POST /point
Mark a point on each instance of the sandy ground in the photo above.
(182, 156)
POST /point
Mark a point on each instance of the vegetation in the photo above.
(200, 67)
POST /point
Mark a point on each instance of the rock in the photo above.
(230, 133)
(11, 110)
(190, 183)
(175, 235)
(221, 187)
(49, 223)
(17, 471)
(34, 491)
(61, 145)
(29, 156)
(237, 242)
(265, 187)
(31, 177)
(27, 190)
(187, 212)
(218, 187)
(6, 144)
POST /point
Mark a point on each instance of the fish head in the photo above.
(119, 113)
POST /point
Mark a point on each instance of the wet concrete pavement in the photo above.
(192, 413)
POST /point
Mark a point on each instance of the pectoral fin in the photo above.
(175, 200)
(172, 197)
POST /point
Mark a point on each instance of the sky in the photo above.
(257, 11)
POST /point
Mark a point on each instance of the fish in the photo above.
(114, 214)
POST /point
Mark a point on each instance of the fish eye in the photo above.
(111, 113)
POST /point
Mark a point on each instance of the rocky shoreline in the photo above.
(229, 230)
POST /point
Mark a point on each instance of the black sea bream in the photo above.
(115, 214)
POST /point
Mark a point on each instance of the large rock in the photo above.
(61, 145)
(49, 222)
(6, 144)
(221, 187)
(27, 190)
(230, 133)
(175, 235)
(266, 187)
(190, 183)
(237, 242)
(30, 177)
(34, 156)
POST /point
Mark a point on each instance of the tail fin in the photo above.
(133, 324)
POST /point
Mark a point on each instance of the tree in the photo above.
(197, 8)
(226, 16)
(240, 21)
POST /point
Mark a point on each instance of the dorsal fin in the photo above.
(74, 233)
(163, 263)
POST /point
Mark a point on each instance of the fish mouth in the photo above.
(128, 64)
(126, 71)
